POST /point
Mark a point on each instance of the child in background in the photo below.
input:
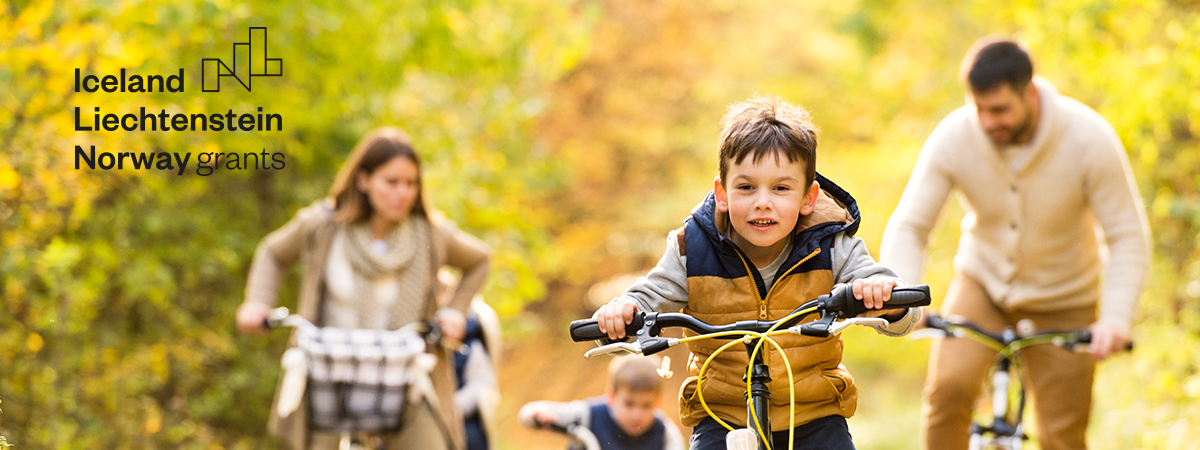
(771, 235)
(626, 417)
(478, 394)
(475, 365)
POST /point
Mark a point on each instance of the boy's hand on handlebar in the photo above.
(1107, 339)
(539, 414)
(250, 317)
(613, 316)
(874, 292)
(543, 419)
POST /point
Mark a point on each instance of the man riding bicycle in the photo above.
(1036, 172)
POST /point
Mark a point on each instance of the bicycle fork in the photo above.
(1005, 433)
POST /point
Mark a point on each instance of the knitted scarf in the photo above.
(407, 259)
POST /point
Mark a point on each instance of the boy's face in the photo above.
(633, 410)
(764, 201)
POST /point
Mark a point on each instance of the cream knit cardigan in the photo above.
(1030, 236)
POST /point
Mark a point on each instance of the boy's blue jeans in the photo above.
(825, 433)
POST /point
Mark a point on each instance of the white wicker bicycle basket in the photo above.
(361, 380)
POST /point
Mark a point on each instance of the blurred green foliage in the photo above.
(569, 135)
(120, 286)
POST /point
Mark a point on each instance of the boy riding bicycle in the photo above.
(626, 417)
(768, 210)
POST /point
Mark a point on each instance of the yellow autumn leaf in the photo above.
(9, 179)
(153, 424)
(34, 342)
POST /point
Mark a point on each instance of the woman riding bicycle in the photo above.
(371, 252)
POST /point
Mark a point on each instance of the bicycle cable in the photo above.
(762, 337)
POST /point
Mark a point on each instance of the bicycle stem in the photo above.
(759, 396)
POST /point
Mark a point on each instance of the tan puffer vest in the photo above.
(823, 387)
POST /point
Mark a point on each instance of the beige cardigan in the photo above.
(307, 239)
(1030, 236)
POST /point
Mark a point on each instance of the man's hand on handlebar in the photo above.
(613, 316)
(1107, 339)
(874, 292)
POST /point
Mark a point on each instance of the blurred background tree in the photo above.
(572, 136)
(120, 286)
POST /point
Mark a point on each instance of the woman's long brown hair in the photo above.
(372, 151)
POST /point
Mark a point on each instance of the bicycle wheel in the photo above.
(982, 442)
(1002, 409)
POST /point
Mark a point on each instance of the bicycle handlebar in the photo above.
(577, 433)
(589, 329)
(839, 304)
(276, 317)
(281, 317)
(902, 297)
(1009, 336)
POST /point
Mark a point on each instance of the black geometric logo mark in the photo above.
(249, 60)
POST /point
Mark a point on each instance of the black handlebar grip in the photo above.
(909, 297)
(275, 317)
(589, 330)
(1085, 337)
(933, 320)
(902, 297)
(586, 330)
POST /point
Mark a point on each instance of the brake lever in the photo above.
(817, 328)
(276, 316)
(928, 333)
(281, 317)
(832, 328)
(615, 349)
(838, 327)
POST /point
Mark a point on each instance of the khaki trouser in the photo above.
(1059, 381)
(420, 431)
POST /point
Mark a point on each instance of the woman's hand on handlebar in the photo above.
(453, 323)
(613, 316)
(250, 317)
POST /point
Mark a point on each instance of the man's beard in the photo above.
(1019, 130)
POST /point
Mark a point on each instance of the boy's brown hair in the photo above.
(768, 125)
(635, 373)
